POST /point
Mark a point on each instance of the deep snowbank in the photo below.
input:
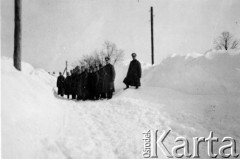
(29, 109)
(190, 95)
(216, 72)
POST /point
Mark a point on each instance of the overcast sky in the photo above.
(59, 30)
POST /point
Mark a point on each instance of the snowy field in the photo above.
(190, 95)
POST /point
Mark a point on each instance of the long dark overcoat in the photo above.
(101, 74)
(85, 92)
(60, 84)
(74, 84)
(109, 77)
(90, 84)
(67, 85)
(79, 86)
(95, 83)
(134, 74)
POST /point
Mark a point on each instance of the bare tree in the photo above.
(226, 41)
(88, 59)
(102, 56)
(110, 50)
(17, 36)
(118, 56)
(235, 44)
(98, 56)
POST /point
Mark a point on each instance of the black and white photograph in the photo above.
(120, 79)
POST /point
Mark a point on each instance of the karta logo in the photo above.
(152, 144)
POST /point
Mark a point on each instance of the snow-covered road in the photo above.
(103, 129)
(113, 128)
(175, 96)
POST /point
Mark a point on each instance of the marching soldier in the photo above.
(108, 80)
(67, 84)
(95, 83)
(60, 84)
(85, 84)
(90, 83)
(74, 84)
(79, 84)
(101, 74)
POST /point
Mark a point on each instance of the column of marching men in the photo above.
(96, 82)
(93, 83)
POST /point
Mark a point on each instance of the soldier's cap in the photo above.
(107, 58)
(134, 54)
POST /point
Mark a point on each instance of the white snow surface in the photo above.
(190, 95)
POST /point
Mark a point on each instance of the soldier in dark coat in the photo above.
(95, 83)
(74, 84)
(60, 84)
(101, 74)
(90, 84)
(71, 75)
(134, 73)
(108, 80)
(84, 79)
(79, 85)
(67, 85)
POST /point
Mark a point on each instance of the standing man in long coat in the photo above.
(101, 74)
(95, 83)
(84, 80)
(74, 84)
(134, 73)
(109, 78)
(91, 83)
(79, 84)
(67, 85)
(60, 84)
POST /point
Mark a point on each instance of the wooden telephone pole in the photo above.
(65, 69)
(17, 36)
(152, 40)
(66, 65)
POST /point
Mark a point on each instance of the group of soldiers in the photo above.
(96, 82)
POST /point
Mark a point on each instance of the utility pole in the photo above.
(152, 40)
(65, 69)
(66, 65)
(17, 35)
